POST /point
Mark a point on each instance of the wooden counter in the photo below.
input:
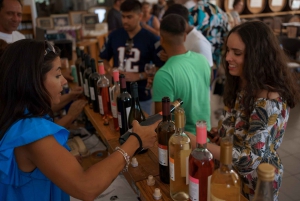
(148, 162)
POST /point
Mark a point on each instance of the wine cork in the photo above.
(134, 162)
(150, 180)
(157, 194)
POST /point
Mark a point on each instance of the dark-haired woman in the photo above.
(238, 6)
(35, 163)
(259, 92)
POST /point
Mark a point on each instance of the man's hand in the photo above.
(163, 55)
(76, 108)
(130, 76)
(67, 74)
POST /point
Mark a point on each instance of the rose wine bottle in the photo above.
(103, 92)
(114, 92)
(225, 182)
(179, 151)
(124, 105)
(136, 112)
(93, 79)
(165, 129)
(201, 166)
(264, 188)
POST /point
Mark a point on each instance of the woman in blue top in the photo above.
(35, 163)
(149, 21)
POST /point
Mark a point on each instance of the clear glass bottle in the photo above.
(103, 93)
(201, 166)
(225, 182)
(165, 129)
(179, 152)
(114, 92)
(264, 187)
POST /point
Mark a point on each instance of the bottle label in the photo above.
(194, 189)
(127, 113)
(172, 169)
(119, 119)
(208, 188)
(81, 80)
(86, 88)
(163, 155)
(114, 110)
(100, 105)
(92, 92)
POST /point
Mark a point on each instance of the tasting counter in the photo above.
(147, 162)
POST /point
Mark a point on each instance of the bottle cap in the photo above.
(165, 105)
(150, 180)
(179, 118)
(157, 194)
(226, 150)
(122, 81)
(116, 75)
(266, 172)
(101, 68)
(201, 132)
(134, 162)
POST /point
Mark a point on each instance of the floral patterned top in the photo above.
(256, 139)
(212, 22)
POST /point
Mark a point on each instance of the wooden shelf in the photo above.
(295, 12)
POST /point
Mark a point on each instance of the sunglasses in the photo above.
(48, 48)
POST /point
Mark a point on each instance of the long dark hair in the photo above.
(265, 67)
(23, 67)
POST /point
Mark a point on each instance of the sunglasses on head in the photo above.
(49, 48)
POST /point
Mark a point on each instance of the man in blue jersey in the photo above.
(132, 47)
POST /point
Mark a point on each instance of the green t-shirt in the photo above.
(186, 76)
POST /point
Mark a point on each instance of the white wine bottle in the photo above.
(179, 152)
(225, 183)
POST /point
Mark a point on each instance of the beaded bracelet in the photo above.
(126, 157)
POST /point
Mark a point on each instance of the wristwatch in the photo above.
(141, 76)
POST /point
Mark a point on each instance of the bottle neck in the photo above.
(117, 83)
(123, 85)
(201, 146)
(264, 191)
(179, 131)
(166, 111)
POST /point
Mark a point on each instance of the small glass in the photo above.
(150, 70)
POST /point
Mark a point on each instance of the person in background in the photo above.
(185, 75)
(238, 6)
(212, 22)
(35, 162)
(149, 21)
(114, 17)
(159, 9)
(259, 92)
(11, 16)
(195, 41)
(144, 48)
(189, 4)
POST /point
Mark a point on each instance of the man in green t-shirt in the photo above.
(185, 75)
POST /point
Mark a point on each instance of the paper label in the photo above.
(127, 113)
(172, 169)
(255, 3)
(92, 92)
(163, 155)
(86, 88)
(120, 119)
(208, 188)
(194, 189)
(80, 77)
(230, 4)
(276, 3)
(100, 105)
(114, 110)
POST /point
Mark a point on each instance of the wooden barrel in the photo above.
(292, 5)
(255, 6)
(228, 5)
(276, 5)
(292, 31)
(274, 23)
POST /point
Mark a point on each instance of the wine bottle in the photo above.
(152, 119)
(78, 64)
(179, 152)
(264, 187)
(201, 166)
(165, 129)
(103, 92)
(225, 182)
(136, 112)
(124, 104)
(114, 92)
(87, 72)
(81, 72)
(93, 79)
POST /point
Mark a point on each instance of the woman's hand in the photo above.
(216, 138)
(76, 108)
(75, 92)
(146, 133)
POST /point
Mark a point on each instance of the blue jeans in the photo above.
(147, 106)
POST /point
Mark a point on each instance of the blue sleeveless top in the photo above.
(150, 21)
(33, 186)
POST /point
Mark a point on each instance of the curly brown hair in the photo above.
(265, 67)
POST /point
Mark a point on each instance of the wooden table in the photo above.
(148, 162)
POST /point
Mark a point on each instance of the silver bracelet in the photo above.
(126, 157)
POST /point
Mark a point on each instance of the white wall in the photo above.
(33, 11)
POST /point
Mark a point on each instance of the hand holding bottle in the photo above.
(76, 92)
(146, 133)
(214, 136)
(76, 108)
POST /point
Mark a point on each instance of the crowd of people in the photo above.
(258, 94)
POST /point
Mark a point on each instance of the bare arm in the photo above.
(63, 169)
(108, 68)
(158, 107)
